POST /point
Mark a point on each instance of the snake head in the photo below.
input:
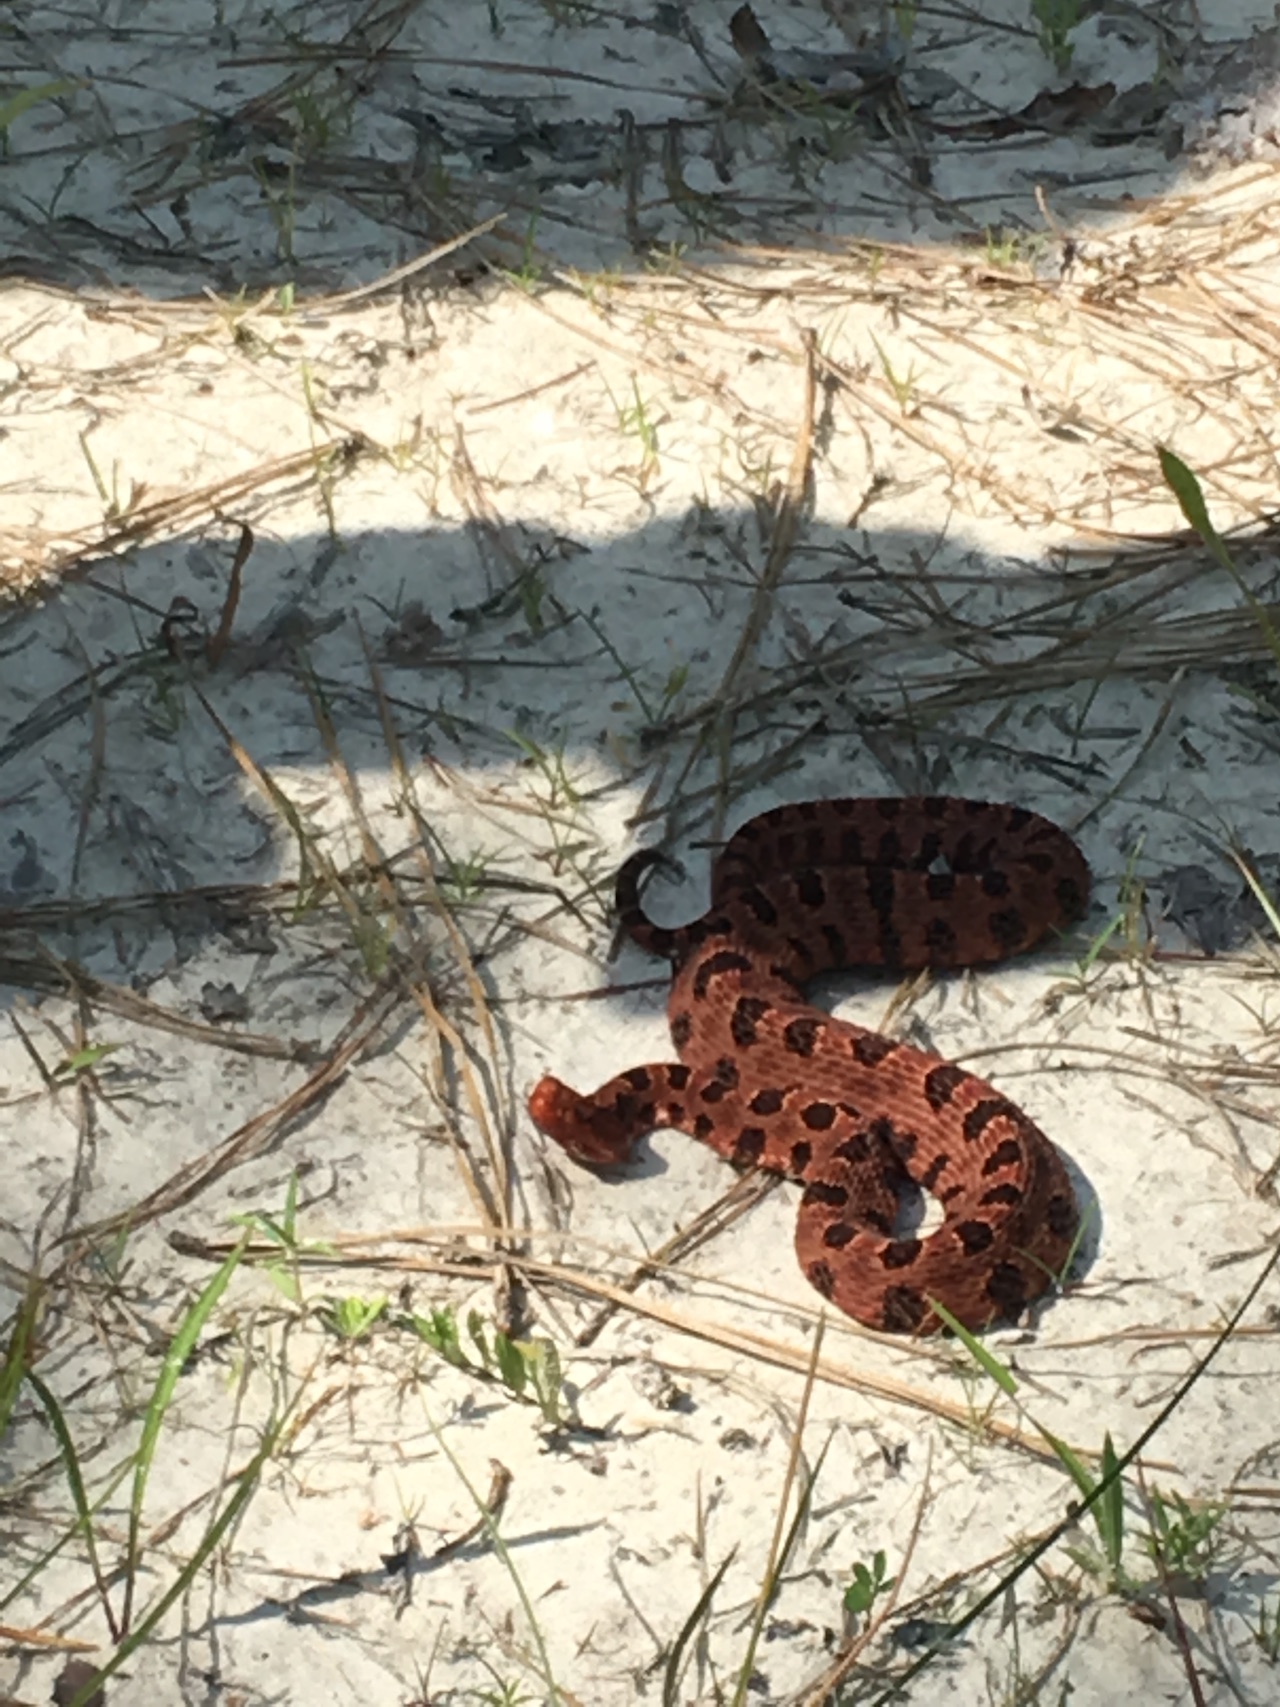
(600, 1136)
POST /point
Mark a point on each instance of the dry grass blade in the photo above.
(399, 276)
(842, 1668)
(783, 1535)
(221, 639)
(360, 1033)
(166, 516)
(782, 539)
(602, 421)
(714, 719)
(492, 1203)
(738, 1200)
(756, 1347)
(46, 972)
(1102, 1491)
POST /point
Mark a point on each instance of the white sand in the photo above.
(985, 494)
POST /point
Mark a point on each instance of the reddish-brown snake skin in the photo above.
(768, 1080)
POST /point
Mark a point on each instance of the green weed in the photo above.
(83, 1061)
(1127, 920)
(904, 17)
(278, 186)
(529, 273)
(115, 506)
(550, 764)
(1055, 20)
(867, 1585)
(1182, 1537)
(636, 421)
(676, 682)
(666, 259)
(902, 387)
(166, 707)
(284, 1271)
(1008, 247)
(528, 1369)
(463, 879)
(319, 122)
(351, 1318)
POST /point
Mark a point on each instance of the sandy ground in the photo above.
(373, 593)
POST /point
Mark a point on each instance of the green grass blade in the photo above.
(1186, 489)
(985, 1359)
(1071, 1462)
(555, 1697)
(246, 1484)
(25, 99)
(75, 1481)
(671, 1675)
(14, 1368)
(180, 1349)
(13, 1595)
(1109, 1511)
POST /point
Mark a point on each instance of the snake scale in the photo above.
(859, 1118)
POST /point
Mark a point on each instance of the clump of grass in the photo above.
(352, 1318)
(1188, 1536)
(528, 1369)
(1183, 1537)
(1180, 1536)
(129, 1626)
